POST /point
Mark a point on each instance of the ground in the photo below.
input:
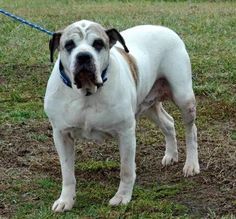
(29, 167)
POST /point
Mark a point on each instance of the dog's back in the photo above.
(155, 49)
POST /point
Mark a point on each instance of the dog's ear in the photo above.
(115, 36)
(54, 43)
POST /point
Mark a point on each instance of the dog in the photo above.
(103, 81)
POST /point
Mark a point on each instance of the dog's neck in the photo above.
(66, 80)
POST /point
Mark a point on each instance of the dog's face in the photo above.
(84, 49)
(84, 52)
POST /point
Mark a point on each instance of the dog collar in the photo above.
(66, 80)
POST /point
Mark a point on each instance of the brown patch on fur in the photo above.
(99, 30)
(132, 64)
(71, 31)
(163, 89)
(189, 114)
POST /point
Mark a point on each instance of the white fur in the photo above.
(112, 109)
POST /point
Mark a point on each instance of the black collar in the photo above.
(66, 80)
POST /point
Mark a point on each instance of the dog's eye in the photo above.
(70, 45)
(98, 44)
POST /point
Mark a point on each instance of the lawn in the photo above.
(30, 177)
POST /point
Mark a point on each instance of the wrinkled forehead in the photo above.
(84, 30)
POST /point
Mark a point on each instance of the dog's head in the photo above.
(84, 52)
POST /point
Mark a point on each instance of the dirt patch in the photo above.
(27, 150)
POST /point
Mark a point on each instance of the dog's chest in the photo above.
(89, 119)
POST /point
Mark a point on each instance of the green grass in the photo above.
(93, 166)
(34, 198)
(207, 28)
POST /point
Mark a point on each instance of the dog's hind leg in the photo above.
(166, 123)
(64, 143)
(187, 106)
(177, 70)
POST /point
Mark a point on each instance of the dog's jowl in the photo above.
(103, 81)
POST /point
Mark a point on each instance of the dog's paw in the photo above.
(62, 205)
(191, 168)
(120, 200)
(169, 159)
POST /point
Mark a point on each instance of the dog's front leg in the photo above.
(127, 145)
(65, 147)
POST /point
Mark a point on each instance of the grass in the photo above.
(30, 177)
(40, 196)
(94, 166)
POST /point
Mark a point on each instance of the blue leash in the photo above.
(35, 26)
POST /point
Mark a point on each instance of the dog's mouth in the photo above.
(85, 78)
(84, 75)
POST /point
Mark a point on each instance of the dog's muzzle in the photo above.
(85, 70)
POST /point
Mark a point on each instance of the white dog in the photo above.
(99, 87)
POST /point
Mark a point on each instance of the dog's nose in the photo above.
(84, 58)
